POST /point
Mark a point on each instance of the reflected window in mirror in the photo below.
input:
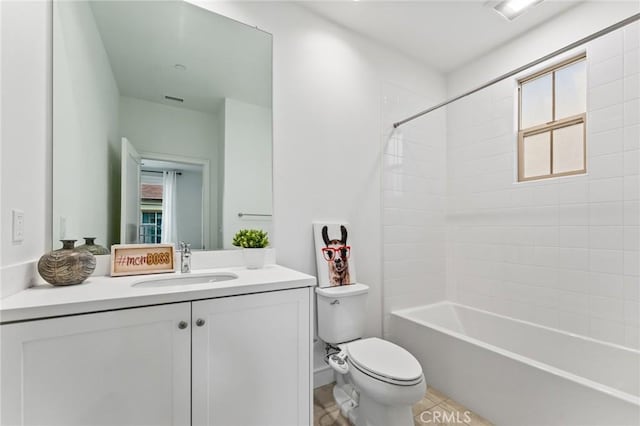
(150, 207)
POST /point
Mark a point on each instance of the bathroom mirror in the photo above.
(162, 124)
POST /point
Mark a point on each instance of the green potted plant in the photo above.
(253, 243)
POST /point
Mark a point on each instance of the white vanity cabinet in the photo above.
(251, 360)
(127, 367)
(238, 360)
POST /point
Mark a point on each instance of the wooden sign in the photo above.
(139, 259)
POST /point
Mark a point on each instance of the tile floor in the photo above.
(435, 409)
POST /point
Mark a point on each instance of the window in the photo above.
(150, 207)
(551, 128)
(151, 227)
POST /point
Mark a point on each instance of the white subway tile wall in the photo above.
(561, 252)
(414, 202)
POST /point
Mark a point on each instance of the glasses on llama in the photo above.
(330, 253)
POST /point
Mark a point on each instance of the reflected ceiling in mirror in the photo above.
(159, 110)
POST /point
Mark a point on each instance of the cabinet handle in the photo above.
(199, 322)
(182, 325)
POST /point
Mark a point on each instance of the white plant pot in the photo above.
(254, 257)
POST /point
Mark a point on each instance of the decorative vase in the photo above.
(66, 266)
(254, 257)
(90, 246)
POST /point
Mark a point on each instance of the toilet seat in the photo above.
(384, 361)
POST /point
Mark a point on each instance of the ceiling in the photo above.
(223, 58)
(441, 34)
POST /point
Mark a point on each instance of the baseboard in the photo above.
(322, 376)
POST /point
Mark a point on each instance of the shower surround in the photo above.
(558, 252)
(561, 252)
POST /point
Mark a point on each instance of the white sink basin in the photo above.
(187, 279)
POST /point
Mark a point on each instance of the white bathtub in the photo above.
(516, 373)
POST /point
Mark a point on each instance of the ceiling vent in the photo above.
(173, 98)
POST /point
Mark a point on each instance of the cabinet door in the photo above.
(251, 360)
(128, 367)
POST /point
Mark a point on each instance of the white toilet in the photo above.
(377, 382)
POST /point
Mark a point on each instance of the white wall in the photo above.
(189, 208)
(25, 122)
(247, 169)
(327, 113)
(163, 129)
(328, 84)
(561, 252)
(85, 136)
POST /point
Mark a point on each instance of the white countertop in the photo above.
(107, 293)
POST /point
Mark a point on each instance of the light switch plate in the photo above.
(17, 225)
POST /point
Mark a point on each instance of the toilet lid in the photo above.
(384, 359)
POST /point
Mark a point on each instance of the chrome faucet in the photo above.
(185, 257)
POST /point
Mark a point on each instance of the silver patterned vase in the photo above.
(90, 246)
(66, 266)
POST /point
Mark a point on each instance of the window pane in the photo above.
(568, 149)
(537, 155)
(536, 102)
(571, 90)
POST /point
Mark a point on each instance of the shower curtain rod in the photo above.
(567, 48)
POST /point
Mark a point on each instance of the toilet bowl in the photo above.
(377, 381)
(388, 380)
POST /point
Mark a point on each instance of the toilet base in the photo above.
(366, 400)
(371, 413)
(363, 411)
(346, 398)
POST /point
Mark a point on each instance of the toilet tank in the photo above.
(341, 312)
